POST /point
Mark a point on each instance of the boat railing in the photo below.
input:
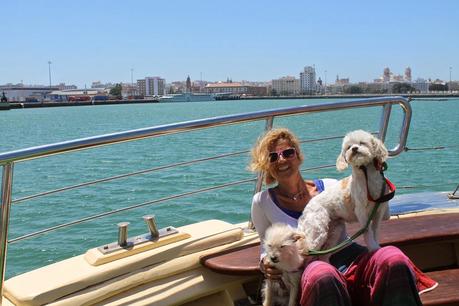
(8, 159)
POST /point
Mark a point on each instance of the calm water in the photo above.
(434, 124)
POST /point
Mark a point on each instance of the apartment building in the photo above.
(308, 80)
(152, 86)
(235, 88)
(286, 86)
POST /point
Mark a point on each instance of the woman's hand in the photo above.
(270, 271)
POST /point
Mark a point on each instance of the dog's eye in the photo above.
(363, 143)
(348, 147)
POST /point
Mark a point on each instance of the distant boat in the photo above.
(4, 104)
(187, 97)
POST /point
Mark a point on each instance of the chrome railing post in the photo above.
(406, 106)
(7, 183)
(404, 129)
(384, 122)
(259, 183)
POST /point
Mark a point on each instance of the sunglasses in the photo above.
(286, 154)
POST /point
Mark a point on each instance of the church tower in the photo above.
(188, 84)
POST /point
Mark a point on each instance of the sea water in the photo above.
(431, 165)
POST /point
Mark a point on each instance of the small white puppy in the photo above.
(282, 245)
(323, 219)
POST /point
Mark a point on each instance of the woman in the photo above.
(354, 276)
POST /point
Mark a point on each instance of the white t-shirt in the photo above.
(265, 212)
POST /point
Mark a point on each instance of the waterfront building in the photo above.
(99, 84)
(375, 88)
(63, 86)
(334, 89)
(421, 85)
(386, 75)
(308, 80)
(390, 77)
(408, 74)
(129, 90)
(22, 93)
(198, 86)
(256, 83)
(152, 86)
(176, 87)
(339, 81)
(453, 86)
(286, 86)
(235, 88)
(397, 78)
(75, 94)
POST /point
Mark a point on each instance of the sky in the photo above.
(110, 41)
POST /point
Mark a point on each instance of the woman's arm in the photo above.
(261, 222)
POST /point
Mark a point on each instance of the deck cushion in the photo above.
(52, 282)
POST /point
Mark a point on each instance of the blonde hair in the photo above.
(260, 152)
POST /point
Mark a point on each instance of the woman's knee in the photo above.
(322, 284)
(319, 272)
(390, 257)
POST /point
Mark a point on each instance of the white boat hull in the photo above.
(187, 97)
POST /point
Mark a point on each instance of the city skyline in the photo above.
(79, 43)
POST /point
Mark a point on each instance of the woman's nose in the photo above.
(281, 157)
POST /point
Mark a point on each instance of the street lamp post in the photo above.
(325, 91)
(49, 73)
(450, 89)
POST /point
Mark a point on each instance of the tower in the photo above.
(188, 84)
(408, 74)
(386, 75)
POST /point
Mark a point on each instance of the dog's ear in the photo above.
(341, 162)
(379, 149)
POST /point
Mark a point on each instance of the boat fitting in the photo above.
(122, 233)
(151, 223)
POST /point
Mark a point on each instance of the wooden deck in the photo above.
(431, 241)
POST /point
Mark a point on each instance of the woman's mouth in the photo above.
(283, 168)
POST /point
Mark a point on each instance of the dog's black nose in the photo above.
(274, 259)
(355, 149)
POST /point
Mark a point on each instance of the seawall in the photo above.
(80, 103)
(17, 105)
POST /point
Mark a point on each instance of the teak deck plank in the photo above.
(419, 229)
(447, 292)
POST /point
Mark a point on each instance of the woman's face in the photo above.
(286, 164)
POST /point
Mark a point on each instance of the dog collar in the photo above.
(383, 197)
(380, 166)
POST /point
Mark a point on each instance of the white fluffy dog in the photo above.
(323, 219)
(282, 244)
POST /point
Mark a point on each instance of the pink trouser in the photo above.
(384, 277)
